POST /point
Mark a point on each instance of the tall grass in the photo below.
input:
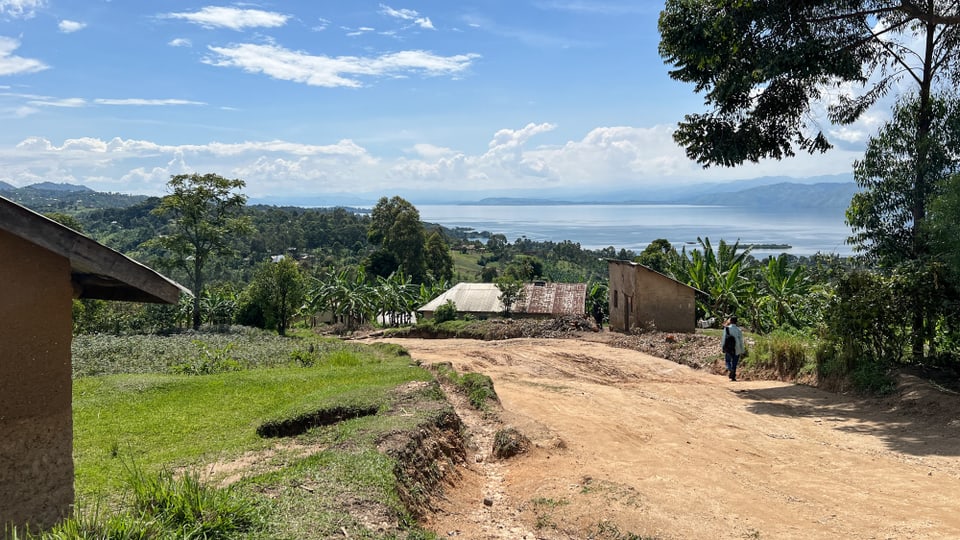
(786, 355)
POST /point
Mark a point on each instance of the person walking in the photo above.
(732, 346)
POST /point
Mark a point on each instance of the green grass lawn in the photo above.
(156, 422)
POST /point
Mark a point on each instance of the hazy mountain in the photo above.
(784, 195)
(6, 187)
(51, 186)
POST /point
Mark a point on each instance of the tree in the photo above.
(784, 288)
(205, 218)
(657, 255)
(512, 291)
(763, 65)
(395, 226)
(439, 260)
(889, 214)
(278, 288)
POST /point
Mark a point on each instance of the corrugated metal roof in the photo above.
(554, 298)
(540, 299)
(469, 298)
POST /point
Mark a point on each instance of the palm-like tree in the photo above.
(723, 274)
(784, 288)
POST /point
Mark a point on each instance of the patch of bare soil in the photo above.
(627, 443)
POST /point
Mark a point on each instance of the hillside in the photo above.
(46, 197)
(784, 195)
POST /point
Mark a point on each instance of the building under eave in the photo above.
(43, 267)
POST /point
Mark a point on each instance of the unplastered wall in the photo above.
(36, 427)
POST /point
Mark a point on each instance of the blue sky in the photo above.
(318, 97)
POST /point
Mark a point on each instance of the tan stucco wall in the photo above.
(640, 297)
(671, 306)
(36, 425)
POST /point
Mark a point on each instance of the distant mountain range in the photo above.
(824, 192)
(47, 186)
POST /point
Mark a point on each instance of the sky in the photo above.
(306, 98)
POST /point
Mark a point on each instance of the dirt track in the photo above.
(628, 443)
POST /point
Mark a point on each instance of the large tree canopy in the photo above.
(204, 212)
(763, 64)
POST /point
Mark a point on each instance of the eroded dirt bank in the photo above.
(628, 443)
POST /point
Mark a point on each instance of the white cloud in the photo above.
(298, 66)
(606, 158)
(63, 103)
(21, 8)
(180, 42)
(232, 18)
(322, 24)
(68, 27)
(147, 102)
(11, 64)
(407, 15)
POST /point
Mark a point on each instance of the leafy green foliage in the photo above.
(864, 326)
(511, 292)
(723, 274)
(278, 290)
(438, 258)
(763, 65)
(445, 312)
(783, 353)
(205, 218)
(208, 361)
(476, 386)
(395, 226)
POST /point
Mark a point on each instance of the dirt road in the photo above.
(628, 444)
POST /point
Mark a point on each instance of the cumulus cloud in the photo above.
(232, 18)
(21, 9)
(69, 27)
(318, 70)
(10, 64)
(407, 15)
(180, 42)
(608, 157)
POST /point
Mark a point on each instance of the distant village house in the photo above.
(540, 300)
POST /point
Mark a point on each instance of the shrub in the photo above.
(210, 360)
(781, 352)
(509, 442)
(445, 312)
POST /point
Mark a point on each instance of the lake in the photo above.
(632, 227)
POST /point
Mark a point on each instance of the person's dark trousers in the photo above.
(732, 361)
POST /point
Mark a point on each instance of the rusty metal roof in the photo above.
(554, 298)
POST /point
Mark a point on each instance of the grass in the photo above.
(476, 386)
(465, 265)
(154, 423)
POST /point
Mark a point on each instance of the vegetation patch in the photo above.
(478, 388)
(509, 442)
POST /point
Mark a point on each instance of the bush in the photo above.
(508, 443)
(781, 352)
(445, 312)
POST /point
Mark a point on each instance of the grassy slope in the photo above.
(162, 421)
